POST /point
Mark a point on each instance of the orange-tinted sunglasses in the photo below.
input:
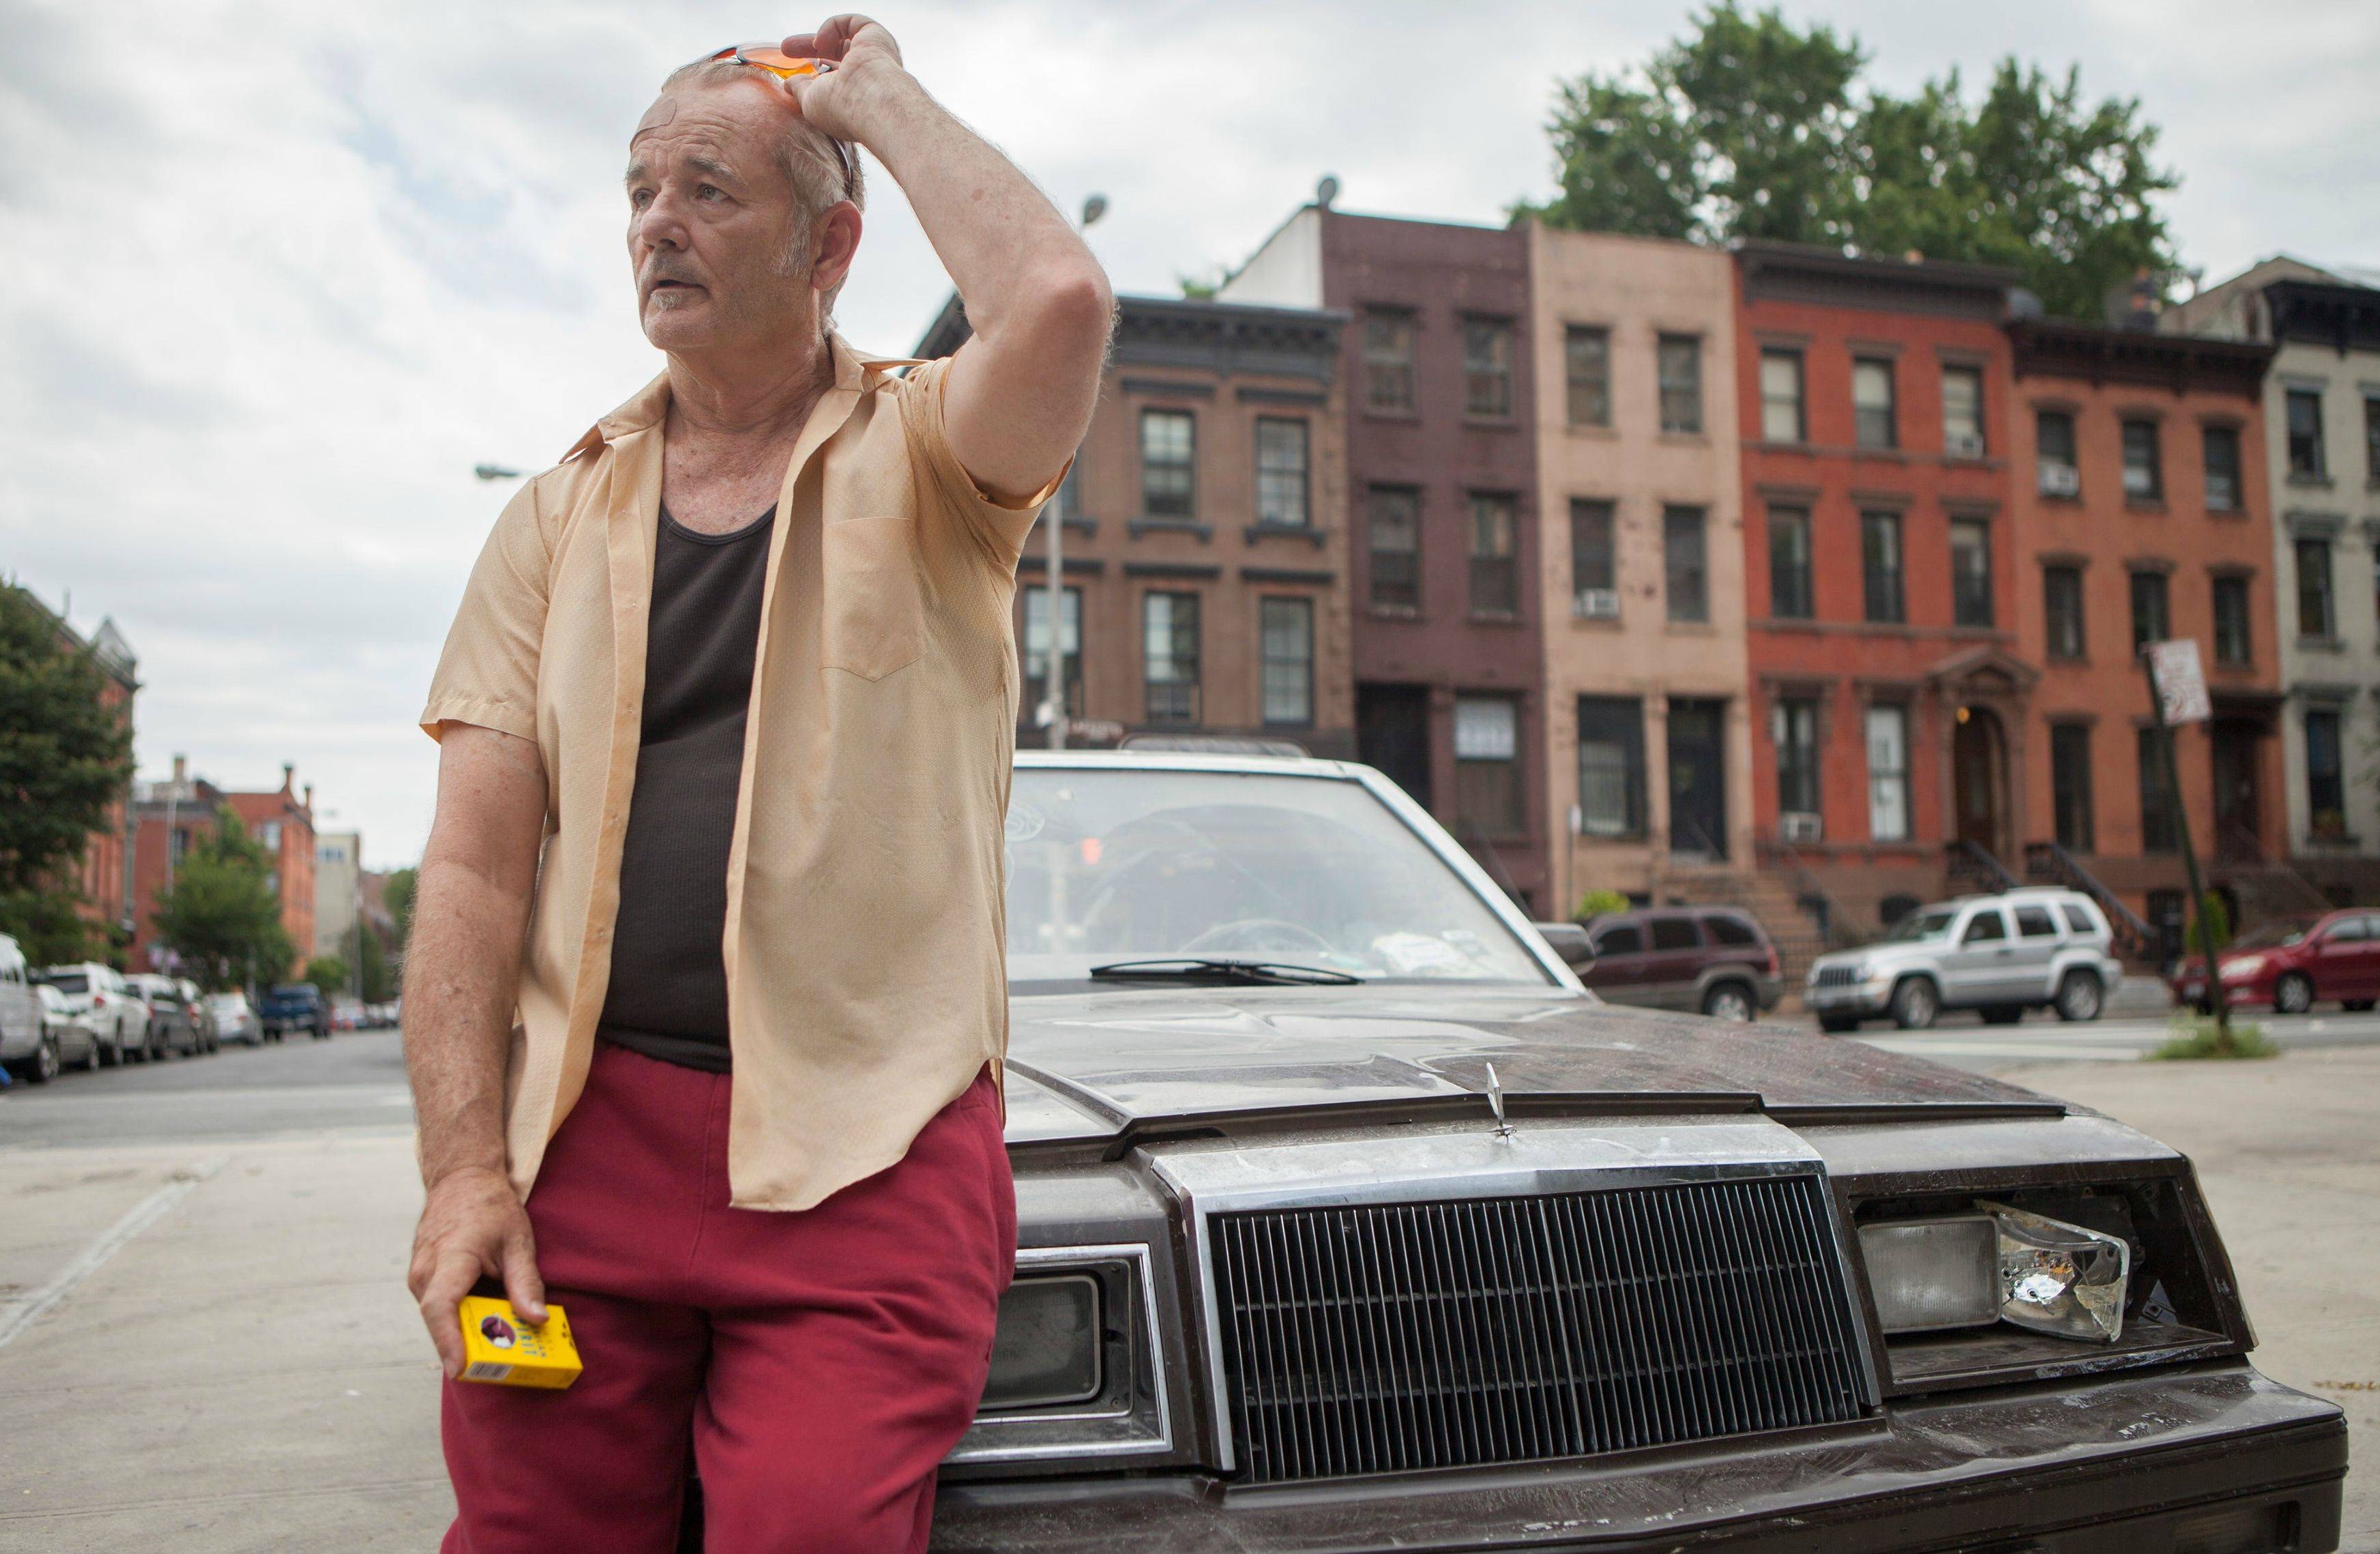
(784, 67)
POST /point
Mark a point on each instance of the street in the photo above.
(206, 1345)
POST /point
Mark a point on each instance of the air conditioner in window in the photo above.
(1799, 825)
(1964, 445)
(1597, 604)
(2060, 479)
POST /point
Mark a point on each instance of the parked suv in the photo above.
(2003, 954)
(2291, 963)
(25, 1039)
(173, 1025)
(117, 1013)
(295, 1006)
(1712, 960)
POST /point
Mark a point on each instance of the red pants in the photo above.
(820, 1363)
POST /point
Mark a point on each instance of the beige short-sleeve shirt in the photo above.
(866, 977)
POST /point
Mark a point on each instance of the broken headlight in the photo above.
(1997, 1263)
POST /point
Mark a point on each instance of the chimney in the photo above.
(309, 798)
(288, 774)
(181, 770)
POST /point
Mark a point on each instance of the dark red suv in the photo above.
(1712, 960)
(2291, 963)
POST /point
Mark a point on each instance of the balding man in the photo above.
(705, 1005)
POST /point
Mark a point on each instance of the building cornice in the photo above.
(2095, 354)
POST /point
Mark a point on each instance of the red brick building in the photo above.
(2143, 511)
(171, 818)
(1890, 709)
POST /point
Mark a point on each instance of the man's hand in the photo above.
(861, 52)
(473, 1226)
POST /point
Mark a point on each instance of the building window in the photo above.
(1488, 766)
(1874, 423)
(2222, 446)
(1285, 641)
(1395, 526)
(1780, 397)
(2315, 616)
(1495, 556)
(1790, 592)
(2061, 611)
(1488, 368)
(1169, 455)
(2053, 437)
(1887, 773)
(2326, 787)
(1611, 766)
(1169, 638)
(1681, 364)
(1280, 473)
(1685, 564)
(2144, 465)
(2069, 785)
(1793, 725)
(1388, 360)
(2303, 407)
(2151, 621)
(1587, 369)
(1037, 649)
(2159, 832)
(1066, 501)
(1594, 564)
(268, 836)
(1971, 572)
(2231, 639)
(1963, 412)
(1880, 566)
(2372, 437)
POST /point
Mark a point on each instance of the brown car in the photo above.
(1705, 960)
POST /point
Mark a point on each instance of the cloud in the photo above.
(275, 281)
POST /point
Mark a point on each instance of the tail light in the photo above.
(1775, 968)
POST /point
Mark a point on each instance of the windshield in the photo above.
(67, 981)
(1118, 865)
(1920, 925)
(2274, 936)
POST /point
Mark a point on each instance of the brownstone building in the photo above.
(1205, 544)
(170, 816)
(1441, 513)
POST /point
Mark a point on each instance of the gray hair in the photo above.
(819, 169)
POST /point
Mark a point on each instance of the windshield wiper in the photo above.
(1225, 968)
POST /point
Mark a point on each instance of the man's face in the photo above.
(712, 220)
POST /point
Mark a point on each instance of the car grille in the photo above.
(1835, 977)
(1384, 1339)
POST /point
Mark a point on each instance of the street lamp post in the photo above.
(1053, 684)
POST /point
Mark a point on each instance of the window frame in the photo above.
(1188, 466)
(1892, 578)
(2072, 809)
(1150, 685)
(2325, 820)
(1069, 666)
(1486, 564)
(1793, 727)
(2053, 640)
(1971, 374)
(2227, 623)
(2143, 583)
(1686, 392)
(2315, 465)
(1274, 476)
(1799, 600)
(2154, 444)
(1492, 328)
(1596, 384)
(1588, 514)
(1972, 600)
(2159, 834)
(1680, 518)
(2317, 587)
(1381, 356)
(1868, 432)
(1302, 606)
(2043, 462)
(1794, 357)
(1511, 823)
(1622, 716)
(2212, 435)
(1374, 498)
(1888, 780)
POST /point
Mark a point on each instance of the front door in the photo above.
(1698, 778)
(1979, 773)
(2233, 742)
(1393, 734)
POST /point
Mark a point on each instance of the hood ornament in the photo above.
(1495, 1103)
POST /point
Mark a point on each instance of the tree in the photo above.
(329, 973)
(1749, 127)
(397, 896)
(222, 916)
(366, 954)
(66, 757)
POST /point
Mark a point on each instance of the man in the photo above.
(705, 1005)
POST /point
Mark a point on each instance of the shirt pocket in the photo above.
(875, 608)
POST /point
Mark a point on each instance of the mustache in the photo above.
(659, 268)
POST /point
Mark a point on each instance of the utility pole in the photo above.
(1053, 682)
(2188, 684)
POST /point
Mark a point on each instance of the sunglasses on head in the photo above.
(785, 66)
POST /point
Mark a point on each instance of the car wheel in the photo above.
(1729, 1001)
(91, 1056)
(1914, 1005)
(2080, 997)
(2292, 994)
(44, 1066)
(1834, 1024)
(2003, 1013)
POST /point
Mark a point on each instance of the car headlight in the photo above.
(2000, 1264)
(1047, 1349)
(2240, 970)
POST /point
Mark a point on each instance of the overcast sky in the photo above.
(278, 273)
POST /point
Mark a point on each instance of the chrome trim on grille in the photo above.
(1156, 1435)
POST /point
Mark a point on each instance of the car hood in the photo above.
(1105, 1065)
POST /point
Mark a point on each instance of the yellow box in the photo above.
(499, 1347)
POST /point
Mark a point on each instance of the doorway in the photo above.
(1979, 778)
(1393, 735)
(1698, 779)
(2233, 742)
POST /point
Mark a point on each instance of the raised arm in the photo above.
(462, 973)
(1021, 391)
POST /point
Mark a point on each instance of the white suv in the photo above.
(2003, 954)
(117, 1014)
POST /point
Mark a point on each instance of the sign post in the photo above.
(2178, 695)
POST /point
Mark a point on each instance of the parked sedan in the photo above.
(2289, 964)
(173, 1025)
(1348, 1221)
(1708, 960)
(234, 1018)
(72, 1038)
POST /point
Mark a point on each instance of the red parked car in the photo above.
(2289, 963)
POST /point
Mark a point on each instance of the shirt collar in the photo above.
(854, 372)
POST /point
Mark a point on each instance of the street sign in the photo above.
(2180, 681)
